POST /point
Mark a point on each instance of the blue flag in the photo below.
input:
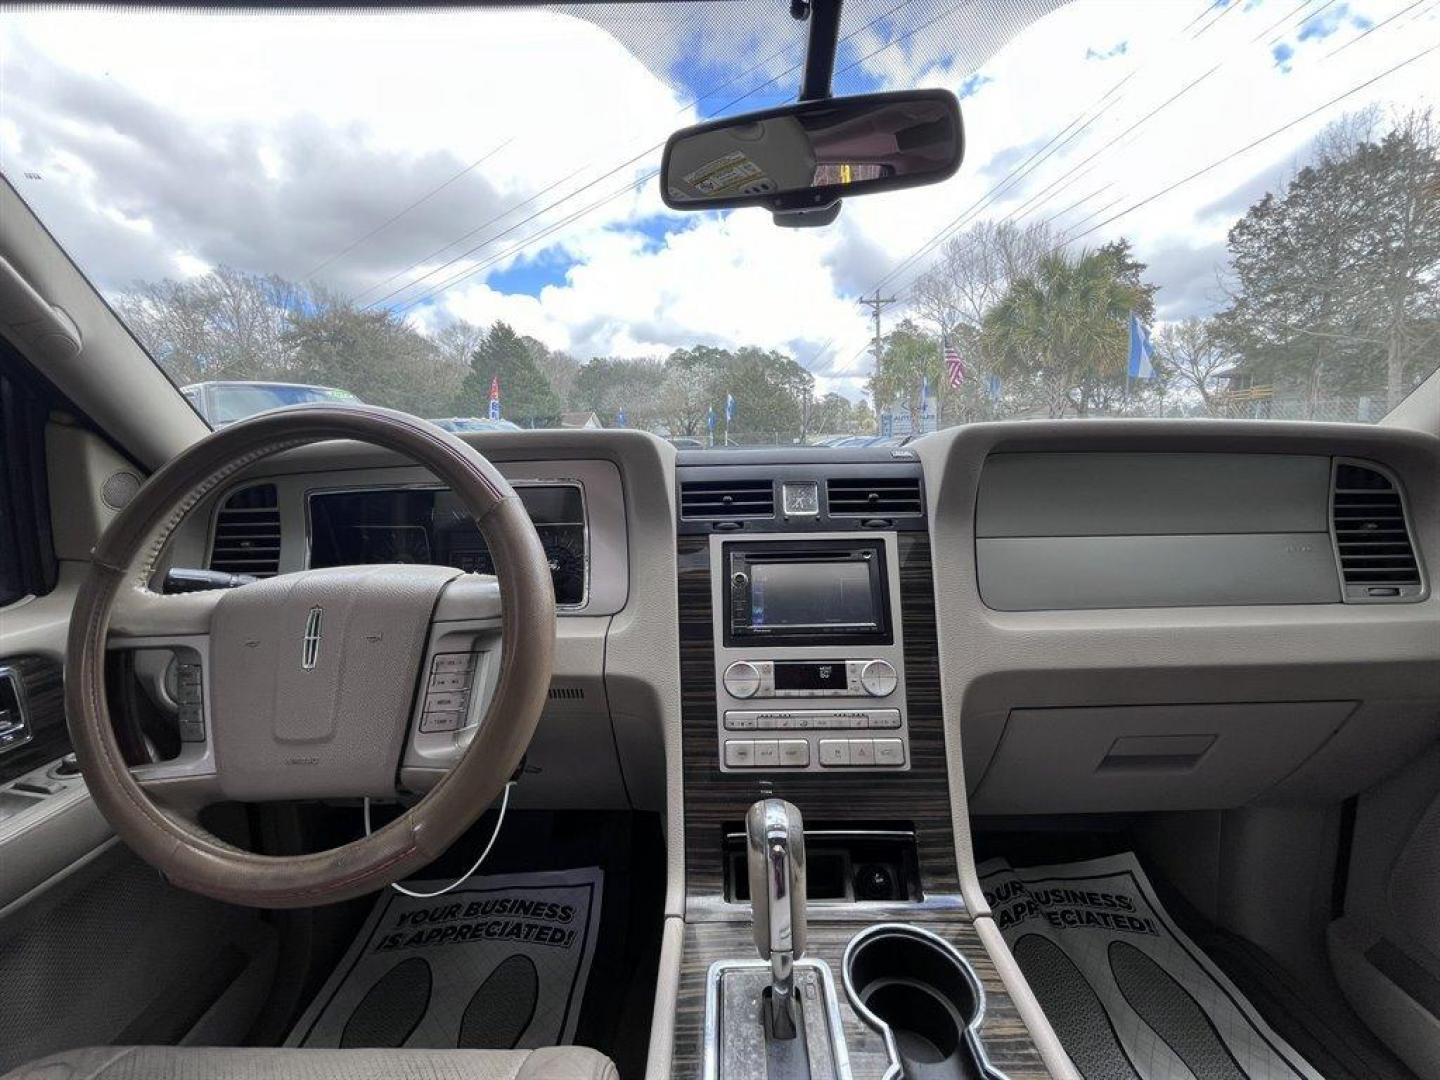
(620, 417)
(993, 386)
(710, 418)
(1142, 353)
(729, 408)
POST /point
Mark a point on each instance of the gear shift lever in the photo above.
(775, 858)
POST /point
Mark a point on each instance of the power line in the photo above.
(438, 289)
(1371, 29)
(1057, 142)
(1249, 146)
(540, 234)
(1133, 127)
(405, 210)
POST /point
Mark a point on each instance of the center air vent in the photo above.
(874, 496)
(727, 499)
(1372, 538)
(247, 533)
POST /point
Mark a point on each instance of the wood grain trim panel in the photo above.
(45, 695)
(1006, 1039)
(716, 800)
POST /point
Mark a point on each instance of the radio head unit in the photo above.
(822, 592)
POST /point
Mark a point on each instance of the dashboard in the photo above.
(1200, 614)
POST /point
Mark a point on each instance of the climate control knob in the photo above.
(878, 678)
(742, 679)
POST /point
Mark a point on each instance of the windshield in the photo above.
(1209, 209)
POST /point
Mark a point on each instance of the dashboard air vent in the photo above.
(247, 533)
(727, 499)
(874, 496)
(1372, 539)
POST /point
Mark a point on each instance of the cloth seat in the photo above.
(258, 1063)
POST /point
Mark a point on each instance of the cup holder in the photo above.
(923, 997)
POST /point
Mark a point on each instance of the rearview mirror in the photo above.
(806, 156)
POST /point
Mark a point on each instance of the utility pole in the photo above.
(876, 304)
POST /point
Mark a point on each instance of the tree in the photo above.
(607, 385)
(1062, 330)
(832, 415)
(1189, 354)
(1336, 281)
(374, 354)
(222, 325)
(770, 391)
(910, 358)
(691, 388)
(525, 393)
(559, 368)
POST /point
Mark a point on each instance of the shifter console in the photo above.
(774, 1018)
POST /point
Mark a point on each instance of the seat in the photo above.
(254, 1063)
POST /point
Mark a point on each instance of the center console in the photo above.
(810, 675)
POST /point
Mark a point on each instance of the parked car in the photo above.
(222, 403)
(460, 424)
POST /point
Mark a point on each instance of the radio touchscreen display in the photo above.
(807, 593)
(793, 595)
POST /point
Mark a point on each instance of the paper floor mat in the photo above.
(499, 963)
(1128, 994)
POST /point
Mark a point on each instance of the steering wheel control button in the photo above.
(878, 678)
(440, 721)
(449, 680)
(192, 722)
(446, 701)
(742, 679)
(444, 662)
(889, 752)
(794, 753)
(834, 752)
(740, 753)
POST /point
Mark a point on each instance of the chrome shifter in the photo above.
(775, 857)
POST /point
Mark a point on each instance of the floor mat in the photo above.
(499, 963)
(1130, 996)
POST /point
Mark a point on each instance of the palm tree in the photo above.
(1063, 328)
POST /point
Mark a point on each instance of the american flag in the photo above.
(955, 367)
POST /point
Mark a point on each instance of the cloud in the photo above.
(1282, 54)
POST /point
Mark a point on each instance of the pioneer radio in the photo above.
(807, 593)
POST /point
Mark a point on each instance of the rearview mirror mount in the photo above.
(799, 160)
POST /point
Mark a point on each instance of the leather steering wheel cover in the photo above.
(187, 854)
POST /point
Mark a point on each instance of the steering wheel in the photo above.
(310, 680)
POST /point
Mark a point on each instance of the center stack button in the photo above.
(742, 679)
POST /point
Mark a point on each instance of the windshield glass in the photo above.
(1189, 209)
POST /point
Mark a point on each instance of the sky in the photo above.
(497, 164)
